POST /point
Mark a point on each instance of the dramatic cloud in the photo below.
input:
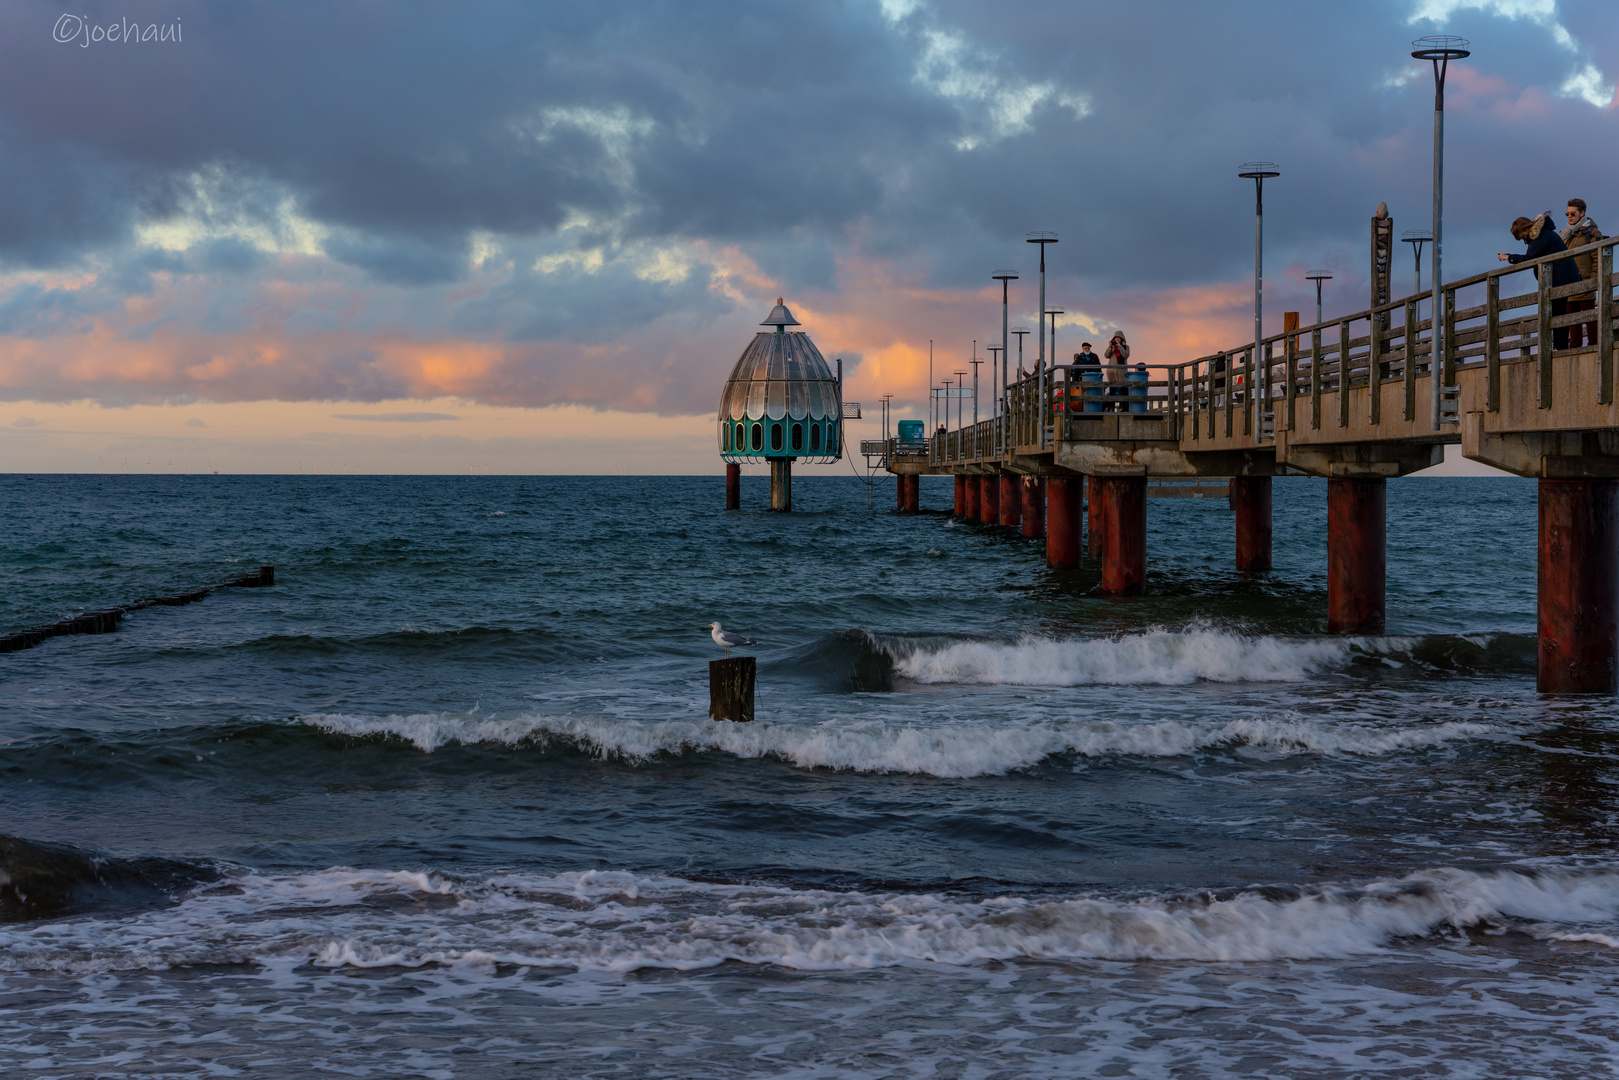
(533, 205)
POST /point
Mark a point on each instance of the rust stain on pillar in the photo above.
(989, 496)
(961, 496)
(1250, 498)
(1062, 523)
(1356, 554)
(1011, 501)
(1097, 533)
(733, 487)
(1034, 506)
(1124, 525)
(1579, 587)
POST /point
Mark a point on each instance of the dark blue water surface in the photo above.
(445, 801)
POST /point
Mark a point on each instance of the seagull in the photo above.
(727, 640)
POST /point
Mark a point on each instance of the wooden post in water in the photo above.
(781, 484)
(733, 486)
(730, 688)
(1011, 501)
(1250, 498)
(1357, 515)
(1578, 598)
(1062, 522)
(1124, 547)
(1034, 506)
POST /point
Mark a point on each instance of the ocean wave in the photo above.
(944, 750)
(619, 922)
(1178, 657)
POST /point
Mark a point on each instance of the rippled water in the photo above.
(445, 801)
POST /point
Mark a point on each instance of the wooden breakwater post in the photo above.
(105, 622)
(730, 688)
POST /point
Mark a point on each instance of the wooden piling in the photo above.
(1250, 498)
(1124, 519)
(1062, 522)
(1578, 601)
(1357, 554)
(1034, 506)
(1011, 501)
(730, 688)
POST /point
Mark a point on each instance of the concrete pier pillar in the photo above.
(900, 491)
(989, 498)
(961, 496)
(733, 487)
(1124, 540)
(975, 492)
(1034, 506)
(1062, 522)
(781, 484)
(1579, 587)
(1357, 558)
(1011, 501)
(913, 494)
(1096, 532)
(1250, 498)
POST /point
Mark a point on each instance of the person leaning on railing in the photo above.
(1541, 239)
(1581, 231)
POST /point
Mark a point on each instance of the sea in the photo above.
(446, 802)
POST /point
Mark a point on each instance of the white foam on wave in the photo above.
(616, 922)
(1159, 657)
(944, 750)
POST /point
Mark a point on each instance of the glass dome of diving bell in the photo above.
(781, 401)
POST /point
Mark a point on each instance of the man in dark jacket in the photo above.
(1581, 231)
(1540, 238)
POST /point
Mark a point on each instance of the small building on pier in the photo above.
(781, 404)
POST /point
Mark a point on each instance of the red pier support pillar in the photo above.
(733, 487)
(989, 498)
(899, 493)
(1124, 540)
(1094, 517)
(1579, 587)
(913, 494)
(1062, 522)
(975, 502)
(1357, 558)
(1011, 501)
(961, 496)
(1034, 506)
(1250, 498)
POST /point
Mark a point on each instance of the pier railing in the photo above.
(1231, 396)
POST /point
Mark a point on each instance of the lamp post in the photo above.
(1004, 277)
(961, 392)
(1441, 49)
(1259, 172)
(1318, 276)
(1416, 239)
(997, 357)
(975, 362)
(1042, 238)
(1021, 332)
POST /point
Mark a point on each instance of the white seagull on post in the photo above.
(727, 640)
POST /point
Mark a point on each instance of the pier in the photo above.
(1518, 384)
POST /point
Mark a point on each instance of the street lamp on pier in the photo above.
(1042, 238)
(1259, 172)
(1004, 277)
(1441, 49)
(1318, 276)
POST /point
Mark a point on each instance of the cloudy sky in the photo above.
(454, 237)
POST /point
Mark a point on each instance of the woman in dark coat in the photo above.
(1540, 238)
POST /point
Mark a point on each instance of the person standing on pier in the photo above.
(1539, 239)
(1581, 231)
(1090, 376)
(1118, 357)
